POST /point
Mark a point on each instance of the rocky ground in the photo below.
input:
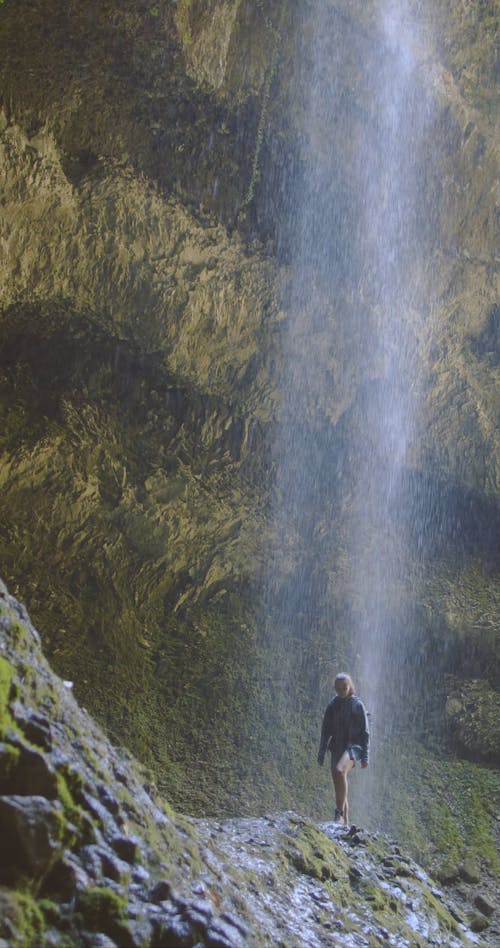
(153, 156)
(92, 856)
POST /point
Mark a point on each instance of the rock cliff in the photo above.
(149, 151)
(91, 855)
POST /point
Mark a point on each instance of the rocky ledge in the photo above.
(92, 856)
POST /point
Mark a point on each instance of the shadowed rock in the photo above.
(30, 830)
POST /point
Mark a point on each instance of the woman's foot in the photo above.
(339, 816)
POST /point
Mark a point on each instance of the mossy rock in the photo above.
(22, 923)
(50, 911)
(472, 713)
(374, 894)
(314, 855)
(6, 676)
(477, 922)
(470, 870)
(9, 758)
(103, 910)
(447, 873)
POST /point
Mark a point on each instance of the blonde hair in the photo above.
(343, 677)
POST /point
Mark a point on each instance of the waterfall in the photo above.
(380, 547)
(360, 225)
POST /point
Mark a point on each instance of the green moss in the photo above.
(17, 629)
(182, 20)
(25, 921)
(470, 869)
(50, 911)
(391, 909)
(38, 690)
(8, 761)
(461, 823)
(477, 922)
(6, 675)
(446, 921)
(444, 831)
(478, 825)
(406, 823)
(312, 853)
(102, 909)
(372, 893)
(440, 808)
(73, 779)
(73, 814)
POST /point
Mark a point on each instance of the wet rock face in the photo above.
(151, 115)
(108, 863)
(472, 711)
(30, 826)
(137, 361)
(150, 157)
(186, 91)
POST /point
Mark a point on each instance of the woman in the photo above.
(345, 733)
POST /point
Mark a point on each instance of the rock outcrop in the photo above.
(472, 709)
(91, 855)
(150, 157)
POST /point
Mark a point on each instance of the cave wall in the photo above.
(150, 154)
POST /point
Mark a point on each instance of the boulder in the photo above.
(35, 726)
(127, 848)
(28, 771)
(32, 837)
(484, 904)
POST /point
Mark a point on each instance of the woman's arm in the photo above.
(363, 731)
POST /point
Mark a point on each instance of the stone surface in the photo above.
(161, 891)
(215, 883)
(32, 837)
(127, 848)
(30, 773)
(66, 878)
(470, 871)
(478, 922)
(484, 904)
(473, 711)
(35, 726)
(145, 297)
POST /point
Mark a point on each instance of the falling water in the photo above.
(381, 566)
(360, 220)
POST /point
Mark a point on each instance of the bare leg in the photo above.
(340, 772)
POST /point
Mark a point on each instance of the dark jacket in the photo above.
(345, 723)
